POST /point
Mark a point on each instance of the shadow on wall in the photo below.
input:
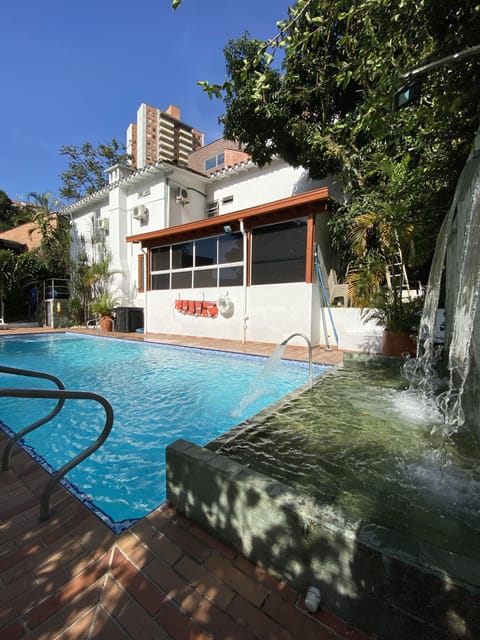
(305, 183)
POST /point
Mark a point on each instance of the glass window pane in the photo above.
(205, 252)
(161, 281)
(230, 277)
(182, 280)
(205, 278)
(161, 258)
(230, 248)
(182, 255)
(278, 253)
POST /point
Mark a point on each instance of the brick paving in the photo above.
(165, 578)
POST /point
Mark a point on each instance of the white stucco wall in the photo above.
(354, 332)
(163, 318)
(276, 311)
(253, 185)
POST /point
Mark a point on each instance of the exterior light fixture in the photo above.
(227, 228)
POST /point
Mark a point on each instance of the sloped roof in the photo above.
(27, 234)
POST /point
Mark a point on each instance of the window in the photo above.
(230, 248)
(279, 253)
(205, 252)
(160, 258)
(230, 277)
(182, 255)
(205, 278)
(207, 262)
(160, 281)
(215, 161)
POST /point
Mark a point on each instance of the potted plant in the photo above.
(104, 307)
(400, 320)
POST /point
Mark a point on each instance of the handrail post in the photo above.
(61, 395)
(18, 436)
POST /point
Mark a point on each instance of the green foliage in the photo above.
(86, 166)
(7, 270)
(7, 212)
(29, 269)
(54, 250)
(395, 314)
(105, 305)
(319, 95)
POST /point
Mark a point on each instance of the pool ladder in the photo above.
(61, 394)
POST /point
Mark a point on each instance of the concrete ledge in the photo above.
(368, 575)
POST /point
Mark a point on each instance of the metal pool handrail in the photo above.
(61, 401)
(62, 395)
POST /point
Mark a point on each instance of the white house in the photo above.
(229, 255)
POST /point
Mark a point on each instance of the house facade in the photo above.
(239, 254)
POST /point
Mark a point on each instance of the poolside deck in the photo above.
(165, 578)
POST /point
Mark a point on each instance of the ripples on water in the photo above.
(360, 440)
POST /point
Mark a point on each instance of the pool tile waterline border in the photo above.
(119, 526)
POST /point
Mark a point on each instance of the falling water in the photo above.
(468, 286)
(258, 386)
(420, 371)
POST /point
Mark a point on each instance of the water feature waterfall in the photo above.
(458, 250)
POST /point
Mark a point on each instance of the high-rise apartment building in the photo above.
(161, 135)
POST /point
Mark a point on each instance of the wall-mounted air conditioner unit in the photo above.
(212, 208)
(103, 224)
(181, 195)
(140, 212)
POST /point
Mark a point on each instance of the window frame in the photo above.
(197, 269)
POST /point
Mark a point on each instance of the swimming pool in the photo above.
(158, 392)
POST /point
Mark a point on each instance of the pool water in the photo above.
(158, 392)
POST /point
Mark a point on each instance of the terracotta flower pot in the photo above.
(396, 343)
(106, 323)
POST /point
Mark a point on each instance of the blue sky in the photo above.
(77, 71)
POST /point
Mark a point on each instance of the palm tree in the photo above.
(55, 232)
(385, 235)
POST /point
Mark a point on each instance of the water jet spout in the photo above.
(309, 345)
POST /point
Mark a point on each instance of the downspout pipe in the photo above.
(245, 272)
(145, 289)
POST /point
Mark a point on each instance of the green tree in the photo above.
(7, 212)
(327, 104)
(86, 167)
(29, 272)
(54, 250)
(7, 278)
